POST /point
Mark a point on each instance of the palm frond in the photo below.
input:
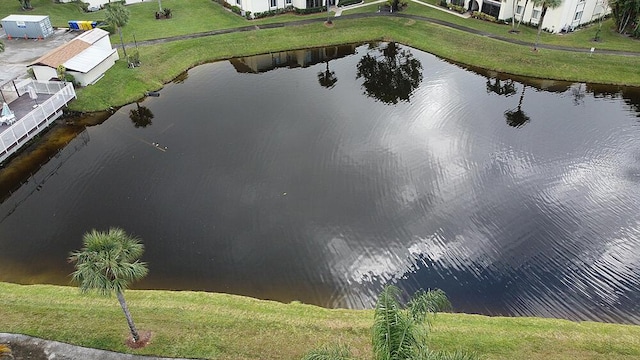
(334, 352)
(429, 302)
(393, 330)
(442, 355)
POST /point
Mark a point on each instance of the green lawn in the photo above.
(163, 62)
(218, 326)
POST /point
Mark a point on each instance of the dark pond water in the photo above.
(322, 175)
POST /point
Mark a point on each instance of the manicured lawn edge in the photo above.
(220, 326)
(163, 62)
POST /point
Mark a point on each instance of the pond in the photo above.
(321, 175)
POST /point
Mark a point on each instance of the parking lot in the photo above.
(20, 52)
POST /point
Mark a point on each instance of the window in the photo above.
(314, 3)
(273, 3)
(519, 10)
(288, 2)
(238, 2)
(536, 14)
(577, 16)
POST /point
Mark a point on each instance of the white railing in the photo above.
(39, 118)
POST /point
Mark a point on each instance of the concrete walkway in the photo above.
(455, 13)
(27, 347)
(375, 14)
(338, 10)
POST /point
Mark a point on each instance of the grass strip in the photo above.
(219, 326)
(163, 62)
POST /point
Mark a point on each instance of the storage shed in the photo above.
(30, 26)
(87, 58)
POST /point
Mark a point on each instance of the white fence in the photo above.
(25, 128)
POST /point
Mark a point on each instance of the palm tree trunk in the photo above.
(544, 10)
(123, 49)
(127, 314)
(160, 5)
(522, 15)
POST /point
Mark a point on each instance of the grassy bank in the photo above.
(163, 62)
(219, 326)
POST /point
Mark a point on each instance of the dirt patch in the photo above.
(145, 339)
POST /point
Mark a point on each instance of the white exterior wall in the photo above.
(44, 73)
(555, 19)
(257, 6)
(96, 73)
(98, 3)
(564, 16)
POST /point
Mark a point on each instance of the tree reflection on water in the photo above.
(390, 74)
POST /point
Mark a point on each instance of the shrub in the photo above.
(483, 16)
(348, 2)
(443, 3)
(167, 13)
(310, 10)
(457, 8)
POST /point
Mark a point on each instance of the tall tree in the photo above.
(118, 15)
(524, 9)
(625, 12)
(108, 262)
(546, 4)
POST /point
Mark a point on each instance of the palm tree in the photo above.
(524, 9)
(108, 262)
(117, 15)
(395, 334)
(546, 4)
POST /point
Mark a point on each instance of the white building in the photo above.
(96, 4)
(568, 16)
(257, 6)
(87, 58)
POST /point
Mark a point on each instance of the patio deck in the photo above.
(33, 116)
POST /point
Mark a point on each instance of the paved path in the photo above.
(27, 347)
(376, 14)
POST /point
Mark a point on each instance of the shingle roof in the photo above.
(62, 53)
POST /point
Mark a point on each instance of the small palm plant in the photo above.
(398, 332)
(108, 262)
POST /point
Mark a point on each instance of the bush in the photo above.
(348, 2)
(236, 10)
(443, 3)
(483, 16)
(310, 10)
(457, 8)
